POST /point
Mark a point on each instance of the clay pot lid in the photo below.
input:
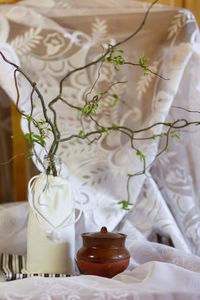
(103, 234)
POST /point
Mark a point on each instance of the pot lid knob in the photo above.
(104, 229)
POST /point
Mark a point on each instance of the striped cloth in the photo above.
(12, 267)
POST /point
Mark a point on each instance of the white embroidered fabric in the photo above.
(155, 272)
(52, 37)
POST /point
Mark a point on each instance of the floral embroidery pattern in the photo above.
(53, 42)
(176, 24)
(99, 29)
(25, 43)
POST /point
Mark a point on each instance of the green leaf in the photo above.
(119, 60)
(95, 105)
(140, 155)
(85, 110)
(28, 118)
(41, 122)
(125, 204)
(142, 62)
(32, 137)
(118, 50)
(80, 133)
(29, 137)
(15, 135)
(42, 131)
(114, 126)
(105, 129)
(155, 136)
(30, 151)
(115, 96)
(175, 135)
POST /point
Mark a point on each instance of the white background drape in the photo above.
(52, 37)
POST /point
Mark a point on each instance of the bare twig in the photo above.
(90, 106)
(185, 109)
(44, 109)
(11, 159)
(110, 48)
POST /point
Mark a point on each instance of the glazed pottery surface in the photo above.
(103, 253)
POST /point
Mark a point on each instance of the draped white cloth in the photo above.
(155, 272)
(51, 37)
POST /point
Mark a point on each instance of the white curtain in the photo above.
(64, 35)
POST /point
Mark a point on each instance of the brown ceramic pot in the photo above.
(103, 253)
